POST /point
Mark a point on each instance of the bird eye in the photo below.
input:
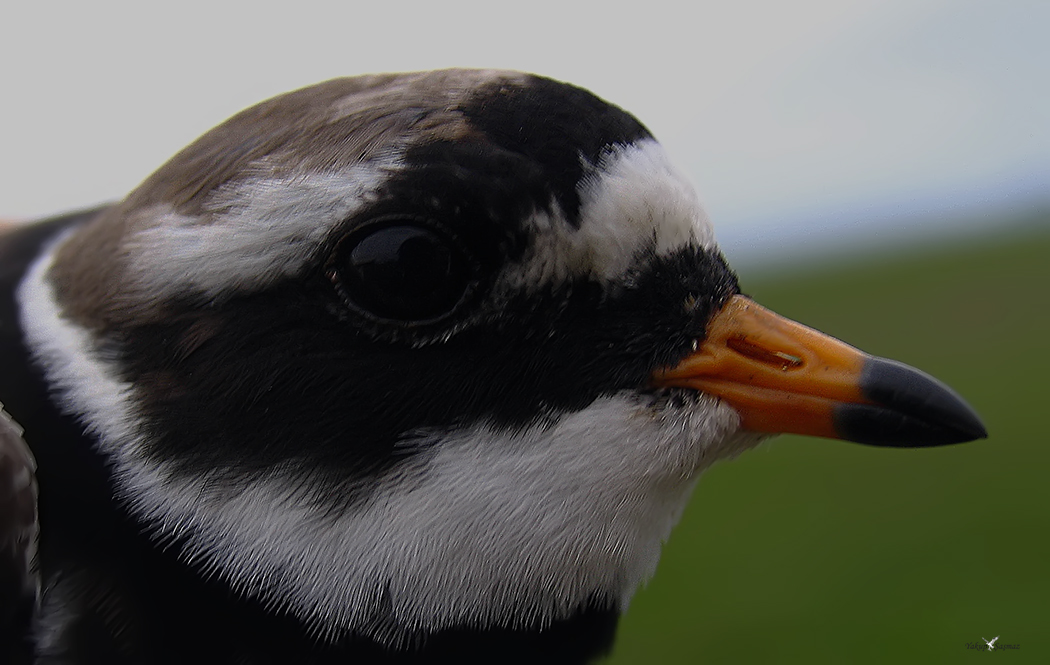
(402, 270)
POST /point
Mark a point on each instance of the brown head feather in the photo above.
(323, 128)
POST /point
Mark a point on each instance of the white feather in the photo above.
(255, 233)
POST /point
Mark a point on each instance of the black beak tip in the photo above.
(911, 409)
(975, 429)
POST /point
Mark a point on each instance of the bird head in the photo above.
(408, 352)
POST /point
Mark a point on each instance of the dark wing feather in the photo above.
(19, 583)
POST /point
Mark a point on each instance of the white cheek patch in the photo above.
(632, 202)
(260, 231)
(494, 527)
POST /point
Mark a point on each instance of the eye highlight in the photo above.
(402, 269)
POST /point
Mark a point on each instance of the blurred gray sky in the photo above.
(802, 123)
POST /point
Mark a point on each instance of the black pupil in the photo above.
(408, 273)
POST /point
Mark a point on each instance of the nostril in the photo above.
(780, 359)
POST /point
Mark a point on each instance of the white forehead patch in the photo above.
(257, 232)
(632, 201)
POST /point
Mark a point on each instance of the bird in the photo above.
(394, 368)
(990, 643)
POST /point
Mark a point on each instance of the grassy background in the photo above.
(817, 551)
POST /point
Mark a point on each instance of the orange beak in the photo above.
(783, 377)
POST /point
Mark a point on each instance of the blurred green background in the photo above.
(819, 551)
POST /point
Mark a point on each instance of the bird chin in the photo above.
(702, 428)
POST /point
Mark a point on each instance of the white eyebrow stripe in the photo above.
(260, 231)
